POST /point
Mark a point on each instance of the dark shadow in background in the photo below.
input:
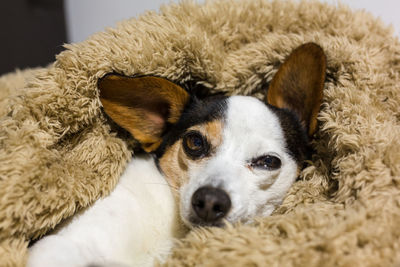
(32, 33)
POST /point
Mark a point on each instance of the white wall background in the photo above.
(85, 17)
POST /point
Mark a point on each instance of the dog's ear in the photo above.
(142, 105)
(299, 83)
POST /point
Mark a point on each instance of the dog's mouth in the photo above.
(194, 221)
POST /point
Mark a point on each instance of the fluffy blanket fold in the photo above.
(58, 152)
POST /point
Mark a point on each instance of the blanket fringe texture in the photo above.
(59, 153)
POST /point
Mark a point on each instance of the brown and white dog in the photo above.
(219, 159)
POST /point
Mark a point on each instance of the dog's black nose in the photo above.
(210, 204)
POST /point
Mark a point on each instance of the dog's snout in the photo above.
(210, 204)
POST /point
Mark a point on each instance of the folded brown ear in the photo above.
(142, 105)
(299, 83)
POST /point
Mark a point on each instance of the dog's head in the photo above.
(230, 158)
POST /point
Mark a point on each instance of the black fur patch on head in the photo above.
(195, 112)
(295, 135)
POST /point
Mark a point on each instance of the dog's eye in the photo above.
(267, 162)
(195, 144)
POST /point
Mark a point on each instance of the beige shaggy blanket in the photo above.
(58, 153)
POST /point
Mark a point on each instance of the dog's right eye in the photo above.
(267, 162)
(195, 144)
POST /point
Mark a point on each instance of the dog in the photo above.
(214, 160)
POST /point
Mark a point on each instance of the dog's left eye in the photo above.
(195, 144)
(267, 162)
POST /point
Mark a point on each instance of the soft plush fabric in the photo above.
(59, 153)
